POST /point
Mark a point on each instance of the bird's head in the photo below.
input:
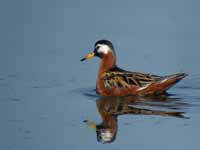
(102, 49)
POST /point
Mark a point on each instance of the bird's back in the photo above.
(118, 82)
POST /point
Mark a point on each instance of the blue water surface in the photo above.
(47, 96)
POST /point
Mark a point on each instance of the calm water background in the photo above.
(46, 92)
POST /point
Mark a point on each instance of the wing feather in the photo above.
(119, 78)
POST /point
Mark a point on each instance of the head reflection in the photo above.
(111, 107)
(105, 134)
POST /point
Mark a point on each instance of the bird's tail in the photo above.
(163, 84)
(168, 81)
(175, 77)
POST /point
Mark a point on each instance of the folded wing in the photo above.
(124, 79)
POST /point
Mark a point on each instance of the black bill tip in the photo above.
(82, 59)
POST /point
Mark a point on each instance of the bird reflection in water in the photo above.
(111, 107)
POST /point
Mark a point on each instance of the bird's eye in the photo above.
(97, 47)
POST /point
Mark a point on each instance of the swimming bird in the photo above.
(114, 81)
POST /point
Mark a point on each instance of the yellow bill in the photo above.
(90, 55)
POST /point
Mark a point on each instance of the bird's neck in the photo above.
(107, 62)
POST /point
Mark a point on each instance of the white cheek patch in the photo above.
(103, 48)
